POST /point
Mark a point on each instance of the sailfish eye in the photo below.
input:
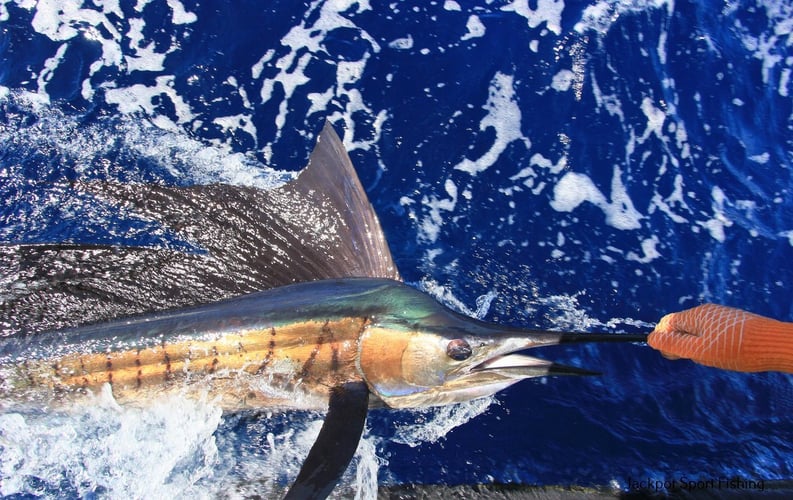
(458, 350)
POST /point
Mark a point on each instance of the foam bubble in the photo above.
(600, 16)
(62, 21)
(475, 28)
(719, 221)
(566, 313)
(788, 235)
(771, 50)
(236, 123)
(431, 224)
(367, 464)
(597, 17)
(180, 15)
(547, 11)
(48, 71)
(142, 98)
(655, 120)
(649, 251)
(574, 189)
(405, 43)
(144, 58)
(562, 80)
(504, 116)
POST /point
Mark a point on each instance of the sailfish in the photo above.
(282, 298)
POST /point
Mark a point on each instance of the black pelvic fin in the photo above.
(336, 444)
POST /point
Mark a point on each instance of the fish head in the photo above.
(424, 354)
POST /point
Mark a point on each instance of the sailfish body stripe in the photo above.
(270, 347)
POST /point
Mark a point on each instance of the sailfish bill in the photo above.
(287, 298)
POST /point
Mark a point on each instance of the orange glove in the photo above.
(724, 337)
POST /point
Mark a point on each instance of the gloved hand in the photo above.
(725, 337)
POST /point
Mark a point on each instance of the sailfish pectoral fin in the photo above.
(336, 444)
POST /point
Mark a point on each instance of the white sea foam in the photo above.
(405, 43)
(649, 251)
(597, 17)
(547, 11)
(573, 189)
(719, 221)
(772, 47)
(436, 423)
(655, 120)
(431, 224)
(562, 80)
(675, 199)
(235, 124)
(445, 296)
(48, 70)
(141, 98)
(144, 58)
(532, 177)
(600, 16)
(305, 43)
(367, 464)
(566, 314)
(182, 156)
(504, 116)
(475, 28)
(103, 446)
(610, 102)
(179, 14)
(61, 21)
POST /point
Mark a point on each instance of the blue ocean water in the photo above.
(558, 164)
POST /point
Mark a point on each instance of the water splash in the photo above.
(434, 423)
(101, 448)
(116, 148)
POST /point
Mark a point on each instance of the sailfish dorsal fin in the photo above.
(329, 181)
(317, 226)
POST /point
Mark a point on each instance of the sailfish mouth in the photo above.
(522, 366)
(513, 365)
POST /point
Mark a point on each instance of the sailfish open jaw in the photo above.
(522, 367)
(496, 374)
(504, 355)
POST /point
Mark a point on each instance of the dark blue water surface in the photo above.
(573, 165)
